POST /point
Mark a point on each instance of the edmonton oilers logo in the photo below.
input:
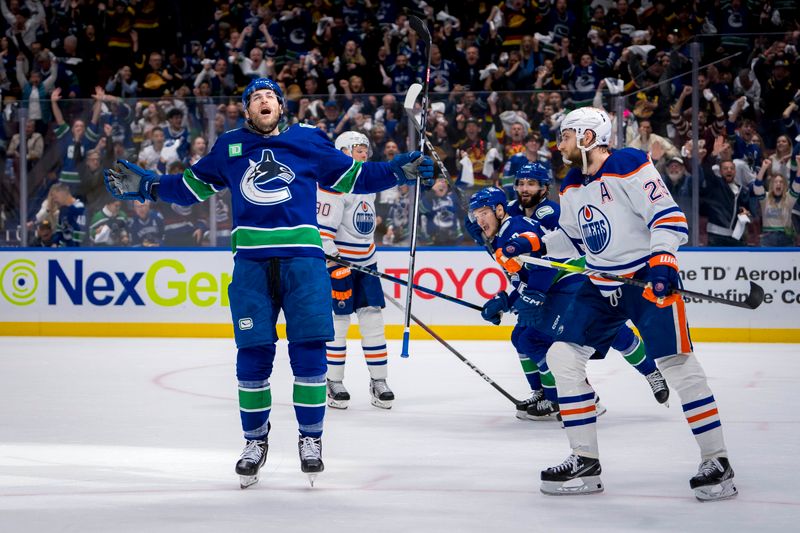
(595, 228)
(364, 218)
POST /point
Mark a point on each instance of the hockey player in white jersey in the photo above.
(615, 205)
(347, 227)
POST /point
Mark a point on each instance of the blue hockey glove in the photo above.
(527, 306)
(661, 279)
(127, 181)
(525, 243)
(474, 230)
(411, 166)
(493, 309)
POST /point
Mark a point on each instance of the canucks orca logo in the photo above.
(595, 228)
(266, 182)
(364, 218)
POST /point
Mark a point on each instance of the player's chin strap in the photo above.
(584, 150)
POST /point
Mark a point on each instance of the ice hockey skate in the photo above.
(659, 387)
(522, 407)
(544, 409)
(338, 397)
(250, 462)
(576, 475)
(310, 449)
(380, 394)
(714, 480)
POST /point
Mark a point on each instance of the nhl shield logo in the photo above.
(595, 228)
(364, 218)
(266, 182)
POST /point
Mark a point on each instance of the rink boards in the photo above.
(183, 293)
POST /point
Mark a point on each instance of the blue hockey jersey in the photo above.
(537, 278)
(546, 213)
(273, 183)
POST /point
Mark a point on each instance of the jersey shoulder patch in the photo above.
(625, 162)
(543, 211)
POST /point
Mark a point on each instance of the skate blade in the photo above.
(721, 491)
(247, 481)
(600, 409)
(381, 404)
(541, 418)
(312, 478)
(338, 404)
(573, 487)
(522, 415)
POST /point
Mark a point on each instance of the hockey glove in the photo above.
(511, 265)
(493, 309)
(341, 289)
(524, 243)
(661, 279)
(528, 305)
(474, 230)
(412, 166)
(126, 181)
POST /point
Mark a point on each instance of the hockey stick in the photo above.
(752, 301)
(402, 282)
(455, 352)
(422, 32)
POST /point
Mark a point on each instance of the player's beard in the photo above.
(531, 201)
(264, 124)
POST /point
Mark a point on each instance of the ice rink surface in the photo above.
(141, 435)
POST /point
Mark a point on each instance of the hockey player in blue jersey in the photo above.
(616, 206)
(532, 343)
(272, 173)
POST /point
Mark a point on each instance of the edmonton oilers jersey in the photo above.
(347, 225)
(273, 183)
(620, 215)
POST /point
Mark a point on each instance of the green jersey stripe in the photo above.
(259, 400)
(309, 394)
(200, 189)
(302, 236)
(347, 181)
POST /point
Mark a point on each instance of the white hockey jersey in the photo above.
(347, 225)
(619, 216)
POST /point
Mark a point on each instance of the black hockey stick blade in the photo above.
(420, 28)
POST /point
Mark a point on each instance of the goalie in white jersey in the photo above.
(347, 227)
(616, 207)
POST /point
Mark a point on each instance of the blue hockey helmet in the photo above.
(533, 171)
(488, 197)
(258, 84)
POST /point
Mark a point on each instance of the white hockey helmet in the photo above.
(349, 139)
(588, 118)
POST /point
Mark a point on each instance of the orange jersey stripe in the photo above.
(631, 173)
(671, 219)
(326, 235)
(579, 411)
(376, 355)
(701, 416)
(686, 345)
(335, 355)
(568, 187)
(357, 252)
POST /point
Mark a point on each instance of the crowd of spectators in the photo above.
(154, 82)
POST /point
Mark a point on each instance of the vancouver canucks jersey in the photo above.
(273, 184)
(537, 278)
(347, 225)
(546, 213)
(620, 215)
